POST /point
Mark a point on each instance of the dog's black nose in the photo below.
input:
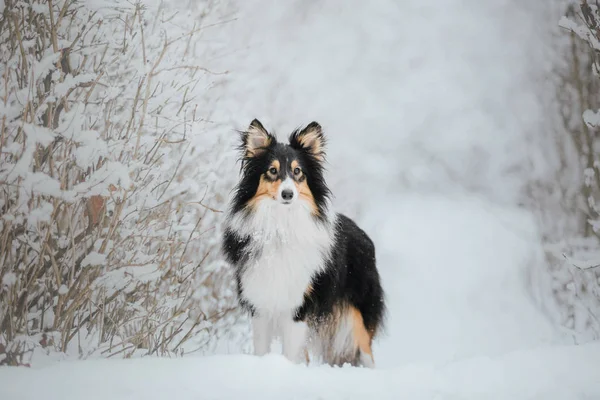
(287, 194)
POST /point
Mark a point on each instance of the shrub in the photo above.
(103, 248)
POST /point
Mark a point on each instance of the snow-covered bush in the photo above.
(573, 247)
(106, 192)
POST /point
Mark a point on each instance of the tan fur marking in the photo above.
(266, 189)
(311, 139)
(303, 189)
(309, 290)
(256, 141)
(306, 356)
(275, 164)
(305, 193)
(362, 338)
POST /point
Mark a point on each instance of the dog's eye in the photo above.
(273, 171)
(296, 171)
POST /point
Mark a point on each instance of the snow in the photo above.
(35, 135)
(111, 172)
(9, 279)
(542, 373)
(580, 30)
(46, 65)
(455, 288)
(427, 108)
(41, 214)
(70, 82)
(38, 134)
(93, 259)
(39, 182)
(591, 118)
(582, 264)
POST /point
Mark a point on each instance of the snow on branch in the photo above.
(95, 259)
(582, 264)
(574, 259)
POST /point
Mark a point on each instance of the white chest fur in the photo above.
(288, 248)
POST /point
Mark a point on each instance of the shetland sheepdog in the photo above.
(303, 272)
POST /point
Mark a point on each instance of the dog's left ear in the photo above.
(310, 139)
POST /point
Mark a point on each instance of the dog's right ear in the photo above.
(255, 140)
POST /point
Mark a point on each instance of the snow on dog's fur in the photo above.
(303, 272)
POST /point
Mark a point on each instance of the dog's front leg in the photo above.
(294, 339)
(262, 333)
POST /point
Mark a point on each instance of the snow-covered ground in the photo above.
(556, 373)
(455, 287)
(427, 107)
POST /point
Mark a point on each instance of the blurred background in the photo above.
(462, 136)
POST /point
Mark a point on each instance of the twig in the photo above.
(582, 268)
(139, 13)
(191, 68)
(147, 98)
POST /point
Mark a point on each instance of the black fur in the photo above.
(350, 277)
(235, 250)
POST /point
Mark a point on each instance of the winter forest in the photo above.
(463, 136)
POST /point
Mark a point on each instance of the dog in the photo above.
(303, 272)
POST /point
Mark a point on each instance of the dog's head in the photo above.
(286, 174)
